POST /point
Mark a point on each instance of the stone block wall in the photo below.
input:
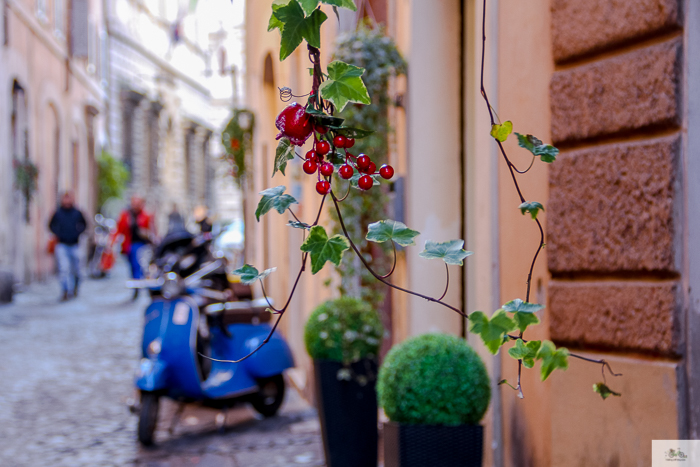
(613, 216)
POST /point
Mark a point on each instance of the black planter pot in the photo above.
(421, 445)
(348, 413)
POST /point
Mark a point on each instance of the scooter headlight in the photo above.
(171, 287)
(154, 348)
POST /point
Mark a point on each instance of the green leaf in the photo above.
(274, 198)
(322, 249)
(501, 132)
(492, 331)
(547, 152)
(355, 133)
(450, 252)
(274, 22)
(519, 305)
(552, 358)
(298, 225)
(532, 207)
(604, 390)
(285, 152)
(308, 5)
(386, 230)
(525, 352)
(344, 84)
(524, 313)
(296, 26)
(249, 274)
(349, 4)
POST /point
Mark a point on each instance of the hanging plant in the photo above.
(26, 175)
(237, 139)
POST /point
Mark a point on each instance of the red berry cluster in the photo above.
(315, 164)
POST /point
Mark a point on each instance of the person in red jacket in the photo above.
(137, 227)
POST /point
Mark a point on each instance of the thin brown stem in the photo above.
(447, 284)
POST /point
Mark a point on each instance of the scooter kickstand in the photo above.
(176, 418)
(221, 420)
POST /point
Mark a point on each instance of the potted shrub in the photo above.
(435, 389)
(343, 337)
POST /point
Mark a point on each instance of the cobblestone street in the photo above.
(67, 371)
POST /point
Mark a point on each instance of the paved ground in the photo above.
(66, 378)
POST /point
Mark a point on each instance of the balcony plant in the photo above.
(343, 337)
(435, 389)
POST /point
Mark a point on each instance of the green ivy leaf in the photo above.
(386, 230)
(450, 252)
(519, 305)
(523, 320)
(274, 22)
(532, 207)
(274, 198)
(349, 4)
(525, 352)
(349, 132)
(285, 152)
(322, 249)
(552, 358)
(604, 391)
(298, 225)
(501, 131)
(344, 84)
(296, 27)
(249, 274)
(308, 5)
(547, 152)
(492, 331)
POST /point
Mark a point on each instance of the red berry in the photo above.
(363, 162)
(311, 156)
(365, 182)
(323, 187)
(310, 167)
(371, 168)
(346, 171)
(322, 148)
(386, 171)
(349, 142)
(327, 169)
(339, 141)
(294, 123)
(322, 129)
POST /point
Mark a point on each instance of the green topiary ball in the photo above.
(343, 330)
(434, 379)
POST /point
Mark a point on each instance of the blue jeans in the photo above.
(68, 266)
(136, 271)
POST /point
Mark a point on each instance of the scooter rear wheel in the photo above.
(270, 396)
(148, 417)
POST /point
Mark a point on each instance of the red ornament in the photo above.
(365, 182)
(322, 148)
(323, 187)
(345, 172)
(310, 167)
(327, 169)
(349, 142)
(339, 141)
(294, 123)
(386, 171)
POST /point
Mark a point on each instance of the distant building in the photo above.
(53, 102)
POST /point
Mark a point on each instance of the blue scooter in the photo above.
(193, 318)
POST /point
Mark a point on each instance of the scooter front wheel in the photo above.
(148, 417)
(270, 396)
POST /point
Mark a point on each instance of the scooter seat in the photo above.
(241, 312)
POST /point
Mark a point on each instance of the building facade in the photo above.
(613, 85)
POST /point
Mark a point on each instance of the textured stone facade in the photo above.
(584, 27)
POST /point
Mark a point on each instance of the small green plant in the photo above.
(112, 177)
(237, 140)
(434, 379)
(344, 330)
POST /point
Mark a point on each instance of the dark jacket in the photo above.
(67, 225)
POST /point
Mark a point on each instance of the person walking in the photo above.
(67, 224)
(136, 226)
